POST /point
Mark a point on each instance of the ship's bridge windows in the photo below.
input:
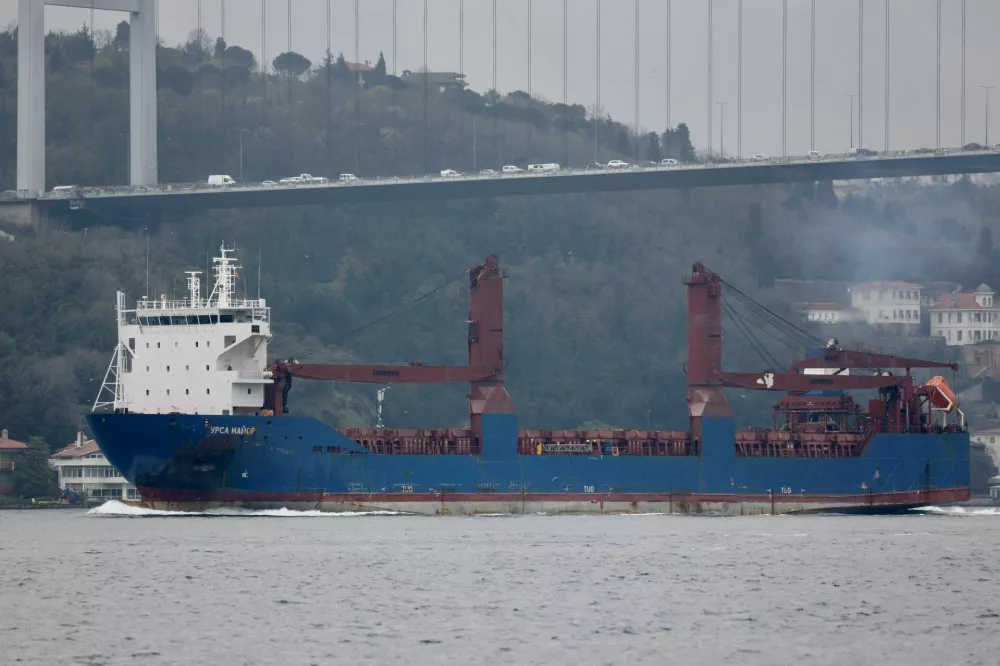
(226, 319)
(178, 321)
(204, 319)
(192, 321)
(164, 321)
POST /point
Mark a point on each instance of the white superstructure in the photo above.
(192, 356)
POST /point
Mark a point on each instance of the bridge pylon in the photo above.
(31, 89)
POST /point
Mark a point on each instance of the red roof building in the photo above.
(11, 451)
(964, 318)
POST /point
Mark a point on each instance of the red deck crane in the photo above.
(484, 373)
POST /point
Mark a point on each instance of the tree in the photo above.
(825, 194)
(220, 48)
(677, 144)
(32, 476)
(237, 56)
(653, 153)
(122, 33)
(380, 66)
(291, 64)
(341, 71)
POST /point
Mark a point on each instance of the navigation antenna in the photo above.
(225, 278)
(194, 288)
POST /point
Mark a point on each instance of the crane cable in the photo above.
(381, 319)
(743, 327)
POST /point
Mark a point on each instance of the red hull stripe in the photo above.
(861, 499)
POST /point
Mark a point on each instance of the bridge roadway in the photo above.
(184, 199)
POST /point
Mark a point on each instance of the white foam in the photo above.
(116, 509)
(960, 510)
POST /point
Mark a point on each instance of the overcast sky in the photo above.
(912, 99)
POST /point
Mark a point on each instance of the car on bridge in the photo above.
(669, 162)
(618, 164)
(450, 173)
(865, 152)
(487, 172)
(759, 157)
(510, 168)
(815, 155)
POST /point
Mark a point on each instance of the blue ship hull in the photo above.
(189, 462)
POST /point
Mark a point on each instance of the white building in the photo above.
(84, 469)
(197, 355)
(830, 313)
(964, 318)
(891, 306)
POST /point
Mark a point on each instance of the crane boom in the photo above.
(391, 374)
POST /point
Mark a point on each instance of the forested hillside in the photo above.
(594, 303)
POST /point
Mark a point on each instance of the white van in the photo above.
(510, 168)
(64, 189)
(220, 180)
(450, 173)
(543, 167)
(348, 178)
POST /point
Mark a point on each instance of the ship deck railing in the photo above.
(201, 304)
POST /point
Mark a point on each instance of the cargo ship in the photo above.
(196, 416)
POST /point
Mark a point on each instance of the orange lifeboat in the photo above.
(941, 397)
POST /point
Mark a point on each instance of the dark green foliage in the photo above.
(33, 477)
(380, 66)
(291, 64)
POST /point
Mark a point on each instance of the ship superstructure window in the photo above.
(168, 368)
(131, 344)
(229, 341)
(147, 391)
(187, 391)
(195, 343)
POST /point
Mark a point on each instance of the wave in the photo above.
(117, 509)
(960, 510)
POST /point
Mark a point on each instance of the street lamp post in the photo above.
(722, 129)
(851, 97)
(987, 116)
(241, 154)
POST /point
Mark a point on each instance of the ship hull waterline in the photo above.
(510, 504)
